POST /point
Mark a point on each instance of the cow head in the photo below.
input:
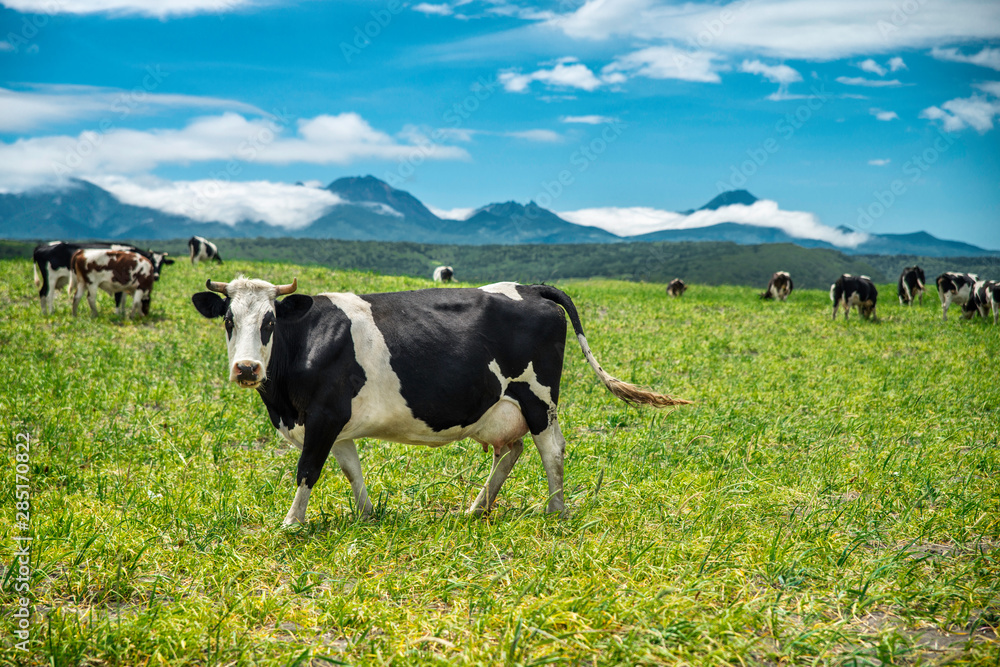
(251, 314)
(160, 260)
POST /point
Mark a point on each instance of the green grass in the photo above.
(832, 498)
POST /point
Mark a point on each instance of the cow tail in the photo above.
(38, 279)
(627, 392)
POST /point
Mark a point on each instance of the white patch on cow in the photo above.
(250, 301)
(509, 290)
(297, 512)
(295, 435)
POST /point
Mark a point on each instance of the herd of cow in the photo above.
(117, 268)
(976, 297)
(422, 367)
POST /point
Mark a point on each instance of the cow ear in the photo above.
(293, 306)
(209, 304)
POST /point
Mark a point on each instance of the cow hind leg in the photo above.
(551, 446)
(504, 458)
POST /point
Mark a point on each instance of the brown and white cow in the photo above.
(676, 287)
(779, 287)
(115, 272)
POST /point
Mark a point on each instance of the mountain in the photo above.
(528, 224)
(372, 210)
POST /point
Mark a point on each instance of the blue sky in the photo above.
(878, 115)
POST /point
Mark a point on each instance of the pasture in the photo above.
(832, 498)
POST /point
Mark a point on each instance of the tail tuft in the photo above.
(636, 396)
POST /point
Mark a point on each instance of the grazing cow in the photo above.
(857, 291)
(203, 250)
(779, 287)
(954, 287)
(444, 274)
(52, 266)
(984, 298)
(676, 287)
(115, 272)
(426, 367)
(911, 285)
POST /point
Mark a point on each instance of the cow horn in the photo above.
(287, 289)
(221, 288)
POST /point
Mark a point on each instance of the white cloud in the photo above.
(452, 213)
(868, 83)
(896, 64)
(977, 112)
(154, 8)
(340, 139)
(762, 213)
(988, 57)
(543, 136)
(783, 75)
(43, 105)
(802, 29)
(588, 120)
(567, 73)
(881, 162)
(281, 204)
(884, 115)
(664, 62)
(437, 10)
(872, 67)
(991, 87)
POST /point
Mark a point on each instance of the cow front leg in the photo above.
(504, 458)
(551, 445)
(317, 441)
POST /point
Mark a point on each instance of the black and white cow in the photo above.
(984, 298)
(117, 272)
(911, 285)
(954, 287)
(676, 288)
(426, 367)
(444, 274)
(850, 291)
(779, 287)
(203, 250)
(52, 267)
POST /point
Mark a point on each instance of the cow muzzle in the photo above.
(247, 374)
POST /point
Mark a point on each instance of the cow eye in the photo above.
(229, 326)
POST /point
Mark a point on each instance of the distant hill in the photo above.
(372, 210)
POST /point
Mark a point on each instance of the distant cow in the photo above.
(850, 291)
(444, 274)
(203, 250)
(676, 287)
(779, 287)
(984, 298)
(116, 272)
(954, 287)
(911, 285)
(425, 367)
(52, 266)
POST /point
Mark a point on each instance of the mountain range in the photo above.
(373, 210)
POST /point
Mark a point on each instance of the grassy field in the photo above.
(832, 498)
